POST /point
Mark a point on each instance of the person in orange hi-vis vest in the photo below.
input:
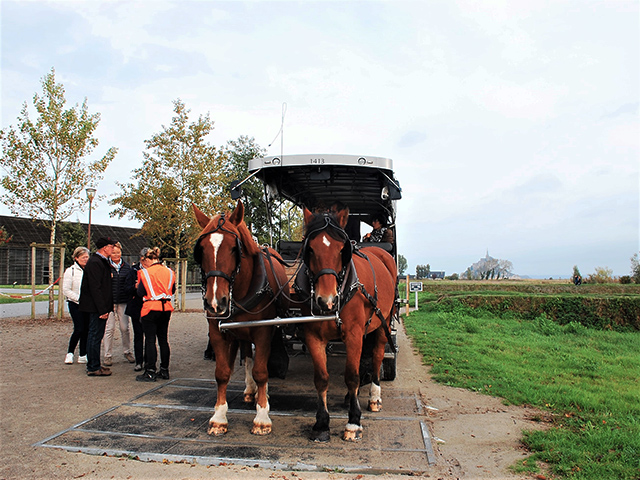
(156, 285)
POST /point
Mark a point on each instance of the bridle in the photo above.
(347, 253)
(197, 255)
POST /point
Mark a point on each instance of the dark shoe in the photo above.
(101, 372)
(163, 374)
(147, 376)
(138, 367)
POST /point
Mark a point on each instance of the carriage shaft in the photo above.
(275, 321)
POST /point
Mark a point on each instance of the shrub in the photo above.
(625, 279)
(601, 275)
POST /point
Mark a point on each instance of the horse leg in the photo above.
(375, 396)
(317, 348)
(250, 388)
(262, 422)
(353, 429)
(218, 424)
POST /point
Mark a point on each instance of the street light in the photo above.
(91, 193)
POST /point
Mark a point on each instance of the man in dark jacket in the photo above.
(96, 298)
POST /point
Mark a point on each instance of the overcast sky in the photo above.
(513, 125)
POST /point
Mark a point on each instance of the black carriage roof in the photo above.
(365, 184)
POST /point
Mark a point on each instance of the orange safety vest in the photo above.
(158, 283)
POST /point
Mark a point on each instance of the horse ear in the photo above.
(307, 215)
(342, 216)
(237, 215)
(202, 219)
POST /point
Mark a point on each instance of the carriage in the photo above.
(365, 184)
(334, 285)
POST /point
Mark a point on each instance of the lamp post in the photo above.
(91, 193)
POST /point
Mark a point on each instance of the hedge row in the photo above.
(605, 312)
(550, 287)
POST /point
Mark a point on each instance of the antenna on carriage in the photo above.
(281, 131)
(281, 135)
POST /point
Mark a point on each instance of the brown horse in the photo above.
(241, 282)
(360, 286)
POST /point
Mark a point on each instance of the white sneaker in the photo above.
(68, 358)
(82, 359)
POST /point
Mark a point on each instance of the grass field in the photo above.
(587, 379)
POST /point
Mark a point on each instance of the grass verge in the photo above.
(587, 379)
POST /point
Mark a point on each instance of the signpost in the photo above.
(415, 287)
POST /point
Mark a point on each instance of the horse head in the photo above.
(223, 246)
(326, 253)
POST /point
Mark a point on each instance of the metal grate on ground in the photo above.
(169, 423)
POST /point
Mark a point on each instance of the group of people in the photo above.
(103, 291)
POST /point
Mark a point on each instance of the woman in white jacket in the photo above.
(71, 288)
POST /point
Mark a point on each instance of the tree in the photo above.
(402, 264)
(635, 268)
(179, 168)
(74, 236)
(45, 161)
(4, 236)
(261, 217)
(423, 271)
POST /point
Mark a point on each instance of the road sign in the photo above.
(415, 286)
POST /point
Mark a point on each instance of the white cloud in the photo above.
(511, 124)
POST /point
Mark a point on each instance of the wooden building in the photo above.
(15, 256)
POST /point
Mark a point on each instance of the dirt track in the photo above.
(42, 396)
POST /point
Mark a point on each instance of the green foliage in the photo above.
(74, 236)
(635, 268)
(179, 168)
(423, 271)
(604, 306)
(286, 221)
(402, 264)
(546, 326)
(238, 153)
(586, 379)
(4, 236)
(45, 160)
(601, 275)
